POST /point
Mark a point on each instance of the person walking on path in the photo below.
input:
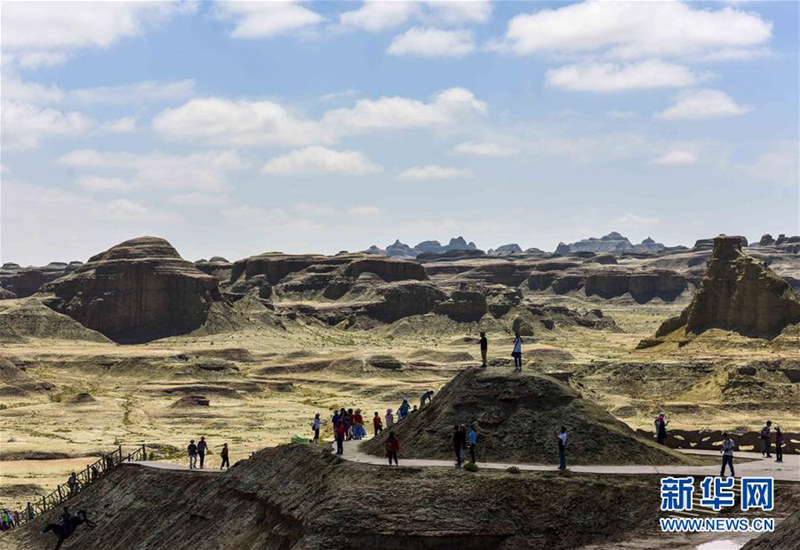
(192, 449)
(392, 446)
(72, 483)
(517, 353)
(484, 349)
(339, 433)
(765, 439)
(389, 419)
(727, 454)
(458, 444)
(202, 447)
(661, 428)
(29, 511)
(778, 444)
(473, 440)
(358, 426)
(426, 398)
(226, 463)
(561, 438)
(377, 424)
(316, 425)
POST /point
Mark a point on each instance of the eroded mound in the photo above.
(516, 416)
(300, 497)
(22, 320)
(16, 382)
(137, 290)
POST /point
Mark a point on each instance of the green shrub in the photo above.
(513, 470)
(471, 467)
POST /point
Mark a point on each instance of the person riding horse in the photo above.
(69, 523)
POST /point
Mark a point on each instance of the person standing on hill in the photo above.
(404, 409)
(484, 349)
(458, 443)
(517, 353)
(727, 454)
(202, 447)
(392, 447)
(473, 440)
(226, 463)
(192, 449)
(316, 425)
(561, 438)
(425, 398)
(339, 433)
(765, 439)
(389, 419)
(661, 428)
(778, 444)
(377, 424)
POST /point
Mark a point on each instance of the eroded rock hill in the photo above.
(298, 497)
(517, 416)
(137, 290)
(737, 293)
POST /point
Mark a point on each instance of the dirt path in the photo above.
(789, 470)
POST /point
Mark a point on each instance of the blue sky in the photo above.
(237, 128)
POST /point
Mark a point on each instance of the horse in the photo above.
(65, 530)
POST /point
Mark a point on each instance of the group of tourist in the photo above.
(9, 519)
(198, 451)
(516, 352)
(728, 445)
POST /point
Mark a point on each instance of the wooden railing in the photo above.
(83, 479)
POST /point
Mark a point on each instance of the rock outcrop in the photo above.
(138, 290)
(505, 250)
(613, 243)
(738, 293)
(516, 416)
(25, 281)
(29, 319)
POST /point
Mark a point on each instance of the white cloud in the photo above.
(378, 16)
(239, 123)
(266, 19)
(204, 171)
(485, 149)
(24, 124)
(98, 183)
(321, 160)
(43, 33)
(448, 106)
(778, 166)
(676, 157)
(615, 77)
(634, 30)
(124, 125)
(432, 42)
(698, 104)
(433, 172)
(456, 12)
(137, 92)
(635, 219)
(198, 199)
(621, 114)
(364, 210)
(30, 92)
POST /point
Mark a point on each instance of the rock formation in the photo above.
(613, 243)
(15, 382)
(137, 290)
(738, 293)
(27, 319)
(516, 416)
(25, 281)
(505, 250)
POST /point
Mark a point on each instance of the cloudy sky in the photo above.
(237, 128)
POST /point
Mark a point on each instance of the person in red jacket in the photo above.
(377, 423)
(392, 447)
(340, 433)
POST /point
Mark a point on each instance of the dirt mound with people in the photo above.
(138, 290)
(516, 416)
(301, 496)
(737, 293)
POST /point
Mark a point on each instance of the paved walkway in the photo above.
(756, 465)
(171, 466)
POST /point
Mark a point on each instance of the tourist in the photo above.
(473, 440)
(348, 423)
(413, 410)
(340, 432)
(458, 444)
(29, 511)
(202, 447)
(402, 412)
(336, 418)
(392, 446)
(226, 463)
(72, 483)
(727, 454)
(561, 437)
(517, 353)
(389, 419)
(192, 449)
(95, 473)
(316, 426)
(765, 439)
(426, 398)
(661, 428)
(377, 424)
(358, 426)
(778, 444)
(484, 349)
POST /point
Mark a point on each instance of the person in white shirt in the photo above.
(727, 454)
(561, 437)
